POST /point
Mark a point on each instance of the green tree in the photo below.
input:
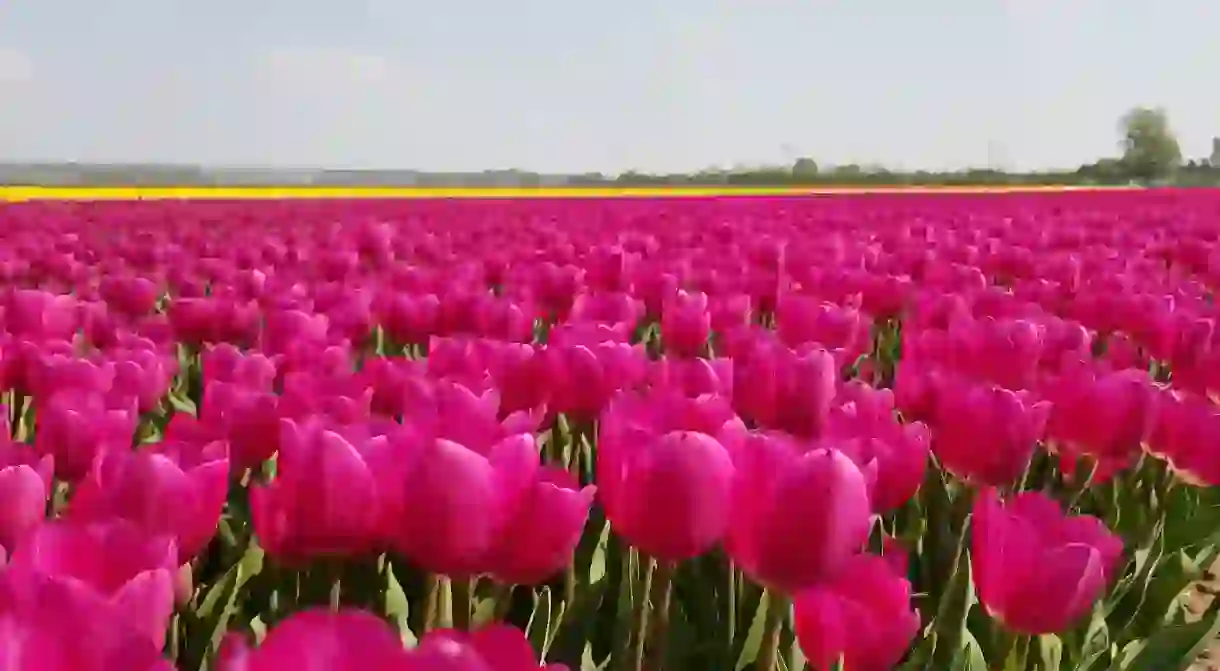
(804, 168)
(1150, 149)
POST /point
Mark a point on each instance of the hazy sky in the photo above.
(557, 85)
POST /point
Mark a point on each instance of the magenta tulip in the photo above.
(328, 498)
(166, 491)
(54, 625)
(75, 428)
(685, 324)
(542, 533)
(586, 368)
(249, 419)
(495, 648)
(25, 486)
(777, 388)
(866, 429)
(116, 568)
(348, 640)
(796, 519)
(1104, 415)
(455, 502)
(664, 470)
(1036, 569)
(985, 434)
(226, 363)
(863, 617)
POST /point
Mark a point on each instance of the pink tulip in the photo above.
(348, 640)
(39, 316)
(409, 319)
(663, 447)
(986, 435)
(685, 324)
(544, 529)
(805, 320)
(695, 377)
(1036, 569)
(1184, 436)
(113, 566)
(25, 486)
(1104, 415)
(495, 648)
(328, 498)
(863, 617)
(620, 311)
(285, 330)
(143, 375)
(866, 429)
(248, 418)
(520, 373)
(586, 371)
(130, 295)
(456, 503)
(777, 388)
(225, 363)
(796, 519)
(57, 373)
(53, 625)
(1003, 352)
(456, 413)
(166, 491)
(342, 397)
(75, 428)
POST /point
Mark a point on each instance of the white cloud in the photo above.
(15, 66)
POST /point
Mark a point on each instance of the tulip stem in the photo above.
(622, 626)
(658, 626)
(640, 628)
(777, 612)
(731, 615)
(503, 599)
(336, 593)
(425, 615)
(462, 594)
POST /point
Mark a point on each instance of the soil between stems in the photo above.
(1204, 592)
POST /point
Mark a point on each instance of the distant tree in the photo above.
(1150, 149)
(804, 167)
(1214, 159)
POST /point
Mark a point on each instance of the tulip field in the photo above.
(863, 432)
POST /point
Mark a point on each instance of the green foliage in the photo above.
(1150, 149)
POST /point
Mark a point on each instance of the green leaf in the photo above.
(749, 651)
(917, 658)
(1168, 582)
(398, 608)
(685, 647)
(970, 656)
(182, 404)
(952, 636)
(484, 612)
(1050, 652)
(572, 633)
(544, 621)
(587, 662)
(1096, 641)
(208, 623)
(1192, 519)
(1174, 648)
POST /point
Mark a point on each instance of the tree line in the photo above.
(1149, 154)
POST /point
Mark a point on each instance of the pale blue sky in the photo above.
(564, 86)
